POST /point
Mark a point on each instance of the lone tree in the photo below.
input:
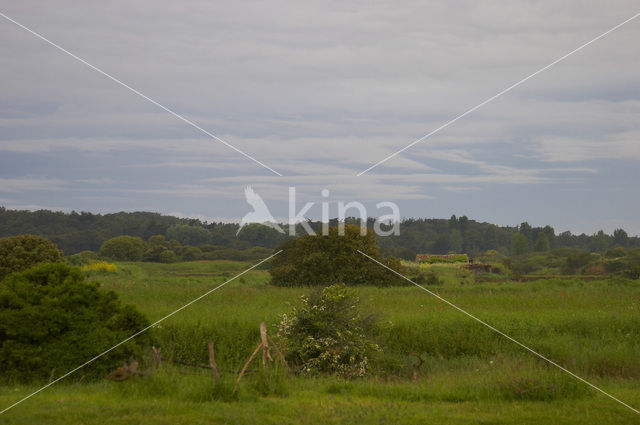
(123, 248)
(18, 253)
(52, 320)
(326, 260)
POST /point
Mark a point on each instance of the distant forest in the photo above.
(75, 232)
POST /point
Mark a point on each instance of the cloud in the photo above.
(29, 184)
(319, 91)
(618, 146)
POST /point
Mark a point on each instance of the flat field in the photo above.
(470, 375)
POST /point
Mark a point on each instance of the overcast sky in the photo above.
(319, 91)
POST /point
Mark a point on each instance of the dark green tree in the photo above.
(620, 237)
(51, 318)
(19, 253)
(542, 243)
(453, 222)
(519, 244)
(600, 242)
(463, 224)
(123, 248)
(189, 235)
(455, 241)
(325, 260)
(526, 230)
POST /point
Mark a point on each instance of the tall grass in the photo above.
(592, 328)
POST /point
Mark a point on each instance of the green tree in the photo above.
(19, 253)
(123, 248)
(620, 237)
(52, 318)
(526, 230)
(455, 241)
(158, 240)
(575, 261)
(328, 334)
(551, 235)
(600, 242)
(156, 246)
(463, 223)
(519, 244)
(453, 222)
(542, 243)
(191, 253)
(189, 235)
(325, 260)
(168, 256)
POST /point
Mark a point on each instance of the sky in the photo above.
(319, 92)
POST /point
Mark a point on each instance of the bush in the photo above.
(168, 256)
(328, 335)
(81, 258)
(576, 261)
(191, 253)
(616, 252)
(100, 267)
(154, 253)
(123, 248)
(331, 259)
(51, 318)
(428, 278)
(18, 253)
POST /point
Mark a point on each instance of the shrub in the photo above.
(328, 335)
(428, 278)
(168, 256)
(633, 272)
(123, 248)
(191, 253)
(18, 253)
(52, 318)
(100, 267)
(576, 261)
(154, 253)
(331, 259)
(462, 258)
(82, 257)
(616, 252)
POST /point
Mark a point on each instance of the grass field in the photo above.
(470, 374)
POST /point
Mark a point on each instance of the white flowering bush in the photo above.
(327, 334)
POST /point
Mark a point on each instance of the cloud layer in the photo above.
(320, 91)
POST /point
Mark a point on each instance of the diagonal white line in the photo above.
(501, 333)
(138, 333)
(109, 76)
(508, 89)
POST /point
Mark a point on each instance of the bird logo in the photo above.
(260, 213)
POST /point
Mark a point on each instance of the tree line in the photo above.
(75, 232)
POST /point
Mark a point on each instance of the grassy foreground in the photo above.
(470, 374)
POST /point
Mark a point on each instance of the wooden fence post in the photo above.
(265, 348)
(212, 362)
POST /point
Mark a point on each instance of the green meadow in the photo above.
(470, 374)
